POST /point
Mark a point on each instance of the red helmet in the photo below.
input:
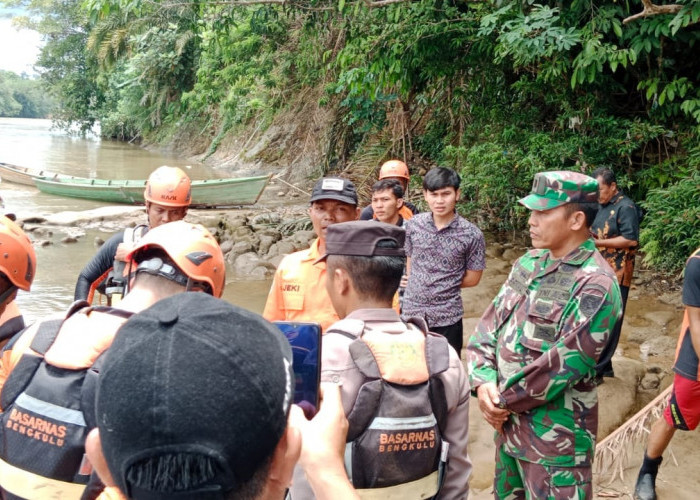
(394, 168)
(192, 248)
(168, 186)
(17, 257)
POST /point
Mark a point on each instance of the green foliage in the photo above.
(493, 179)
(236, 66)
(23, 97)
(498, 90)
(672, 224)
(529, 36)
(9, 106)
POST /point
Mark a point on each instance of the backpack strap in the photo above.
(436, 392)
(27, 365)
(364, 359)
(122, 313)
(369, 397)
(365, 408)
(89, 389)
(437, 355)
(10, 327)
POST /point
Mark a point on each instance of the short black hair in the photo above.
(388, 184)
(607, 175)
(589, 209)
(375, 277)
(441, 177)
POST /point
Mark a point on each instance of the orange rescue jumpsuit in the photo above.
(298, 292)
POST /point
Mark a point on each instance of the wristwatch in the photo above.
(501, 402)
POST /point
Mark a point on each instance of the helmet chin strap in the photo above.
(7, 293)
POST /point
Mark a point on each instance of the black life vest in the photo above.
(48, 413)
(395, 435)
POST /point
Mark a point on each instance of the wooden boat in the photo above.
(205, 193)
(27, 176)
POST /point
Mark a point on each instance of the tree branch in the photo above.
(381, 3)
(651, 9)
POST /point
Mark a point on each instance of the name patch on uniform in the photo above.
(406, 441)
(591, 300)
(36, 428)
(548, 333)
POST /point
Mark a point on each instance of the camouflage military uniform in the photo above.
(539, 341)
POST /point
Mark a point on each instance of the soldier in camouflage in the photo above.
(532, 357)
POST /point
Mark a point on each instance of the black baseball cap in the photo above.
(334, 188)
(362, 238)
(194, 375)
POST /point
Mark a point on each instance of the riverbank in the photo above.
(255, 239)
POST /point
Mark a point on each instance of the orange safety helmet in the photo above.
(394, 168)
(168, 186)
(17, 257)
(192, 248)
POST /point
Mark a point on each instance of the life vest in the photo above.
(115, 283)
(48, 412)
(395, 446)
(11, 322)
(406, 212)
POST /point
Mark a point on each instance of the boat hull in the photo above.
(27, 176)
(205, 193)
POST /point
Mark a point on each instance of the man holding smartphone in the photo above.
(405, 392)
(197, 443)
(298, 292)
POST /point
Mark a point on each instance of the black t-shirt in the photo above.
(687, 361)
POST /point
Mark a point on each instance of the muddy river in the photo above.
(32, 143)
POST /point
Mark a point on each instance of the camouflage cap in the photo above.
(553, 189)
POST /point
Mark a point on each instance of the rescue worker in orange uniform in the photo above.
(397, 170)
(17, 270)
(298, 291)
(48, 412)
(167, 195)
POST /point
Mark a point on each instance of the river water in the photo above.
(32, 143)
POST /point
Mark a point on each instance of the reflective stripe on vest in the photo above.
(31, 486)
(404, 423)
(425, 487)
(50, 410)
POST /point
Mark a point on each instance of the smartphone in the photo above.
(305, 339)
